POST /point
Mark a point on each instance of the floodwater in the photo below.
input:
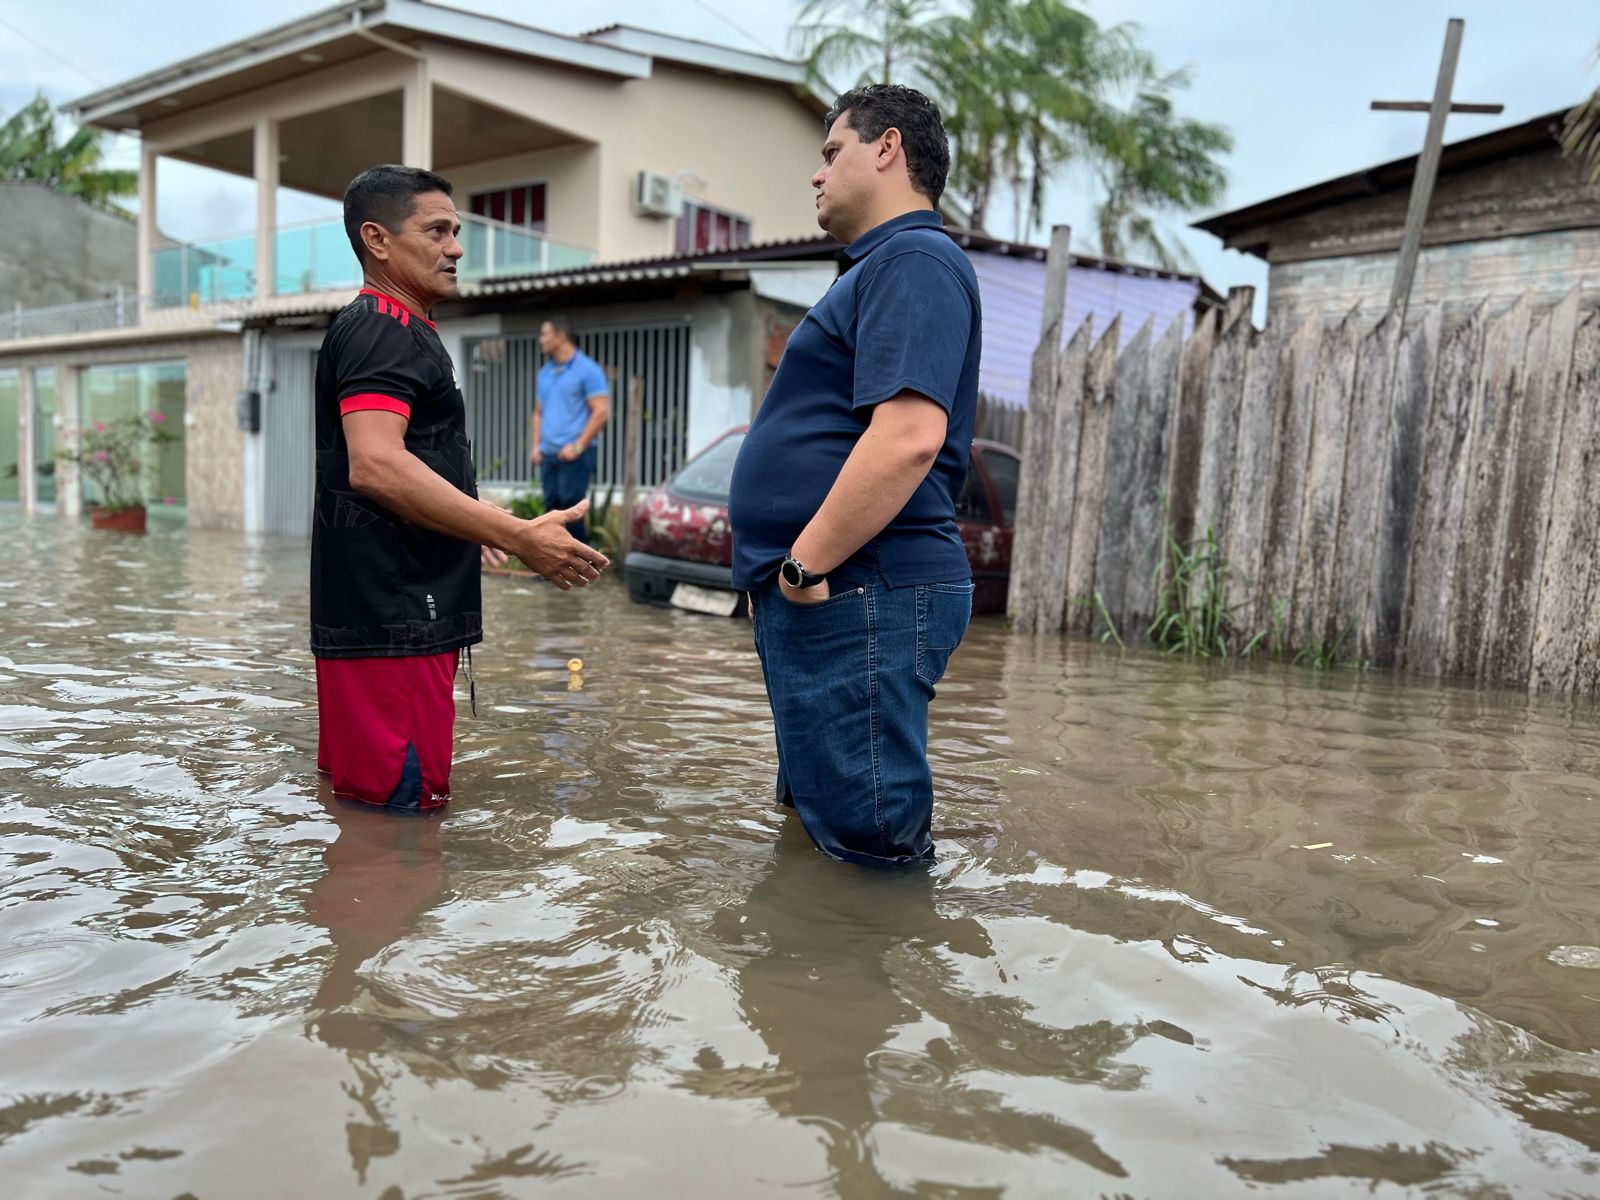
(612, 969)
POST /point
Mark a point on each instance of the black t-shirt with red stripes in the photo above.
(382, 587)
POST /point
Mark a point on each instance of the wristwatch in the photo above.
(797, 576)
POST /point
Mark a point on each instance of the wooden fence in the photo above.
(1000, 422)
(1425, 498)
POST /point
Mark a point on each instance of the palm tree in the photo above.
(1581, 136)
(1149, 158)
(30, 150)
(1019, 81)
(1027, 88)
(888, 39)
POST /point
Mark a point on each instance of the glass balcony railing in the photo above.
(205, 272)
(316, 256)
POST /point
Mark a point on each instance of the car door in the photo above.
(985, 539)
(1001, 468)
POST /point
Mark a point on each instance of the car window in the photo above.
(972, 504)
(1003, 471)
(707, 478)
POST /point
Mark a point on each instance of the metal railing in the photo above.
(122, 310)
(315, 256)
(311, 256)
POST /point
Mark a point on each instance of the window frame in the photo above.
(685, 225)
(542, 228)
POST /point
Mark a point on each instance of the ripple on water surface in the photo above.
(1192, 932)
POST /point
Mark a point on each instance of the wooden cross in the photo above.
(1428, 161)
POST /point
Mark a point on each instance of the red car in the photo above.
(682, 548)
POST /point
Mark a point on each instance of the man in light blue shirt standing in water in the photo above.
(572, 406)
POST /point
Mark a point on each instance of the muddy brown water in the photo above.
(612, 969)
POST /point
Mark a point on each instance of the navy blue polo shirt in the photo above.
(904, 317)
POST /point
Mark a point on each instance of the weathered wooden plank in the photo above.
(1365, 462)
(1411, 387)
(1088, 508)
(1324, 484)
(1494, 423)
(1029, 537)
(1062, 488)
(1437, 532)
(1286, 488)
(1254, 468)
(1566, 642)
(1509, 644)
(1147, 518)
(1122, 451)
(1188, 434)
(1220, 426)
(1038, 466)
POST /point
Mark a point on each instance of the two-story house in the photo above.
(652, 187)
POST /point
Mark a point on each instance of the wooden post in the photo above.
(1428, 160)
(1057, 261)
(632, 421)
(1427, 170)
(1030, 539)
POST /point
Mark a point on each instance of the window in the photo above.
(44, 434)
(702, 228)
(709, 478)
(972, 504)
(522, 205)
(1003, 471)
(109, 392)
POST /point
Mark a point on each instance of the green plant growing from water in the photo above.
(1098, 603)
(1324, 654)
(1192, 615)
(1194, 618)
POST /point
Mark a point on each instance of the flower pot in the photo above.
(125, 520)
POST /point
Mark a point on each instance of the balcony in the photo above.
(315, 256)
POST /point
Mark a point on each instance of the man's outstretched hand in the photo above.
(546, 546)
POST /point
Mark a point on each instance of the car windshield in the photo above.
(706, 479)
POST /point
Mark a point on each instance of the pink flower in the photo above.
(101, 456)
(99, 426)
(157, 417)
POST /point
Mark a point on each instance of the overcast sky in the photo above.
(1292, 80)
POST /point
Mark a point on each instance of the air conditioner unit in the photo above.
(657, 195)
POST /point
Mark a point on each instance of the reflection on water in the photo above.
(1191, 933)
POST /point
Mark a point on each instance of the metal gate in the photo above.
(500, 381)
(288, 429)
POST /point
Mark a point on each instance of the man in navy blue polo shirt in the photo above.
(843, 496)
(571, 408)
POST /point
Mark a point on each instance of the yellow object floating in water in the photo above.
(574, 664)
(1317, 846)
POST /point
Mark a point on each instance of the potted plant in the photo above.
(111, 455)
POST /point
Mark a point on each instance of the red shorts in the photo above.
(386, 726)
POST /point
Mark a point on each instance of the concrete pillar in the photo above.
(266, 173)
(146, 241)
(416, 136)
(69, 419)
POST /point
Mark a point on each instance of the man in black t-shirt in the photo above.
(398, 530)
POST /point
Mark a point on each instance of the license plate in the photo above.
(705, 600)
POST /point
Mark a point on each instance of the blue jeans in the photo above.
(849, 681)
(566, 483)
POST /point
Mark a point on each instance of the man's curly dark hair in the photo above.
(881, 106)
